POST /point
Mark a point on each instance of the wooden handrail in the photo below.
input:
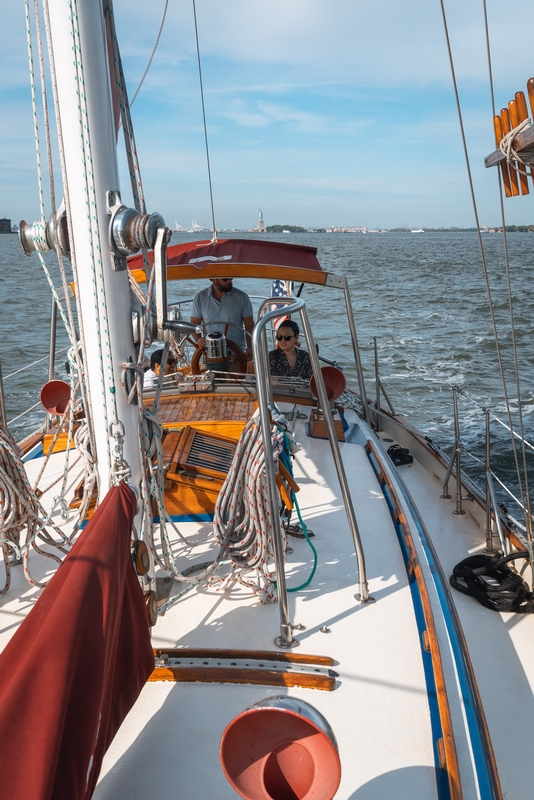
(228, 270)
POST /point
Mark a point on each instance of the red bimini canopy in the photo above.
(237, 251)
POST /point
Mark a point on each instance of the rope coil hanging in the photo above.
(242, 523)
(507, 145)
(20, 510)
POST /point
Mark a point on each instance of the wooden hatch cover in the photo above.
(196, 463)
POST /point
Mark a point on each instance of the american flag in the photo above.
(280, 288)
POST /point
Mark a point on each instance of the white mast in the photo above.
(87, 126)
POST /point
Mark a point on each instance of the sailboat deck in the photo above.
(501, 645)
(379, 710)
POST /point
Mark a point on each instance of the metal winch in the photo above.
(216, 355)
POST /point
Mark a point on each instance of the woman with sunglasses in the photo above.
(288, 360)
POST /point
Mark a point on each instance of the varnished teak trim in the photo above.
(448, 744)
(216, 270)
(264, 677)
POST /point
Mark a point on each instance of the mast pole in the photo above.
(78, 39)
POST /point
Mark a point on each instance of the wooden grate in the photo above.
(198, 452)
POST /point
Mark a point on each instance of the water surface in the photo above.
(422, 296)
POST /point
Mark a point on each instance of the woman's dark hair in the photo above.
(288, 323)
(155, 358)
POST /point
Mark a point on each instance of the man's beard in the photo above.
(225, 287)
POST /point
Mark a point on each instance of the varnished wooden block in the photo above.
(190, 494)
(61, 442)
(317, 427)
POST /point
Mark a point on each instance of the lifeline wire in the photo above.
(482, 253)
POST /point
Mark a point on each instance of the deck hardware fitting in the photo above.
(367, 600)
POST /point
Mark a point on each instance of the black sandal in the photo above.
(400, 455)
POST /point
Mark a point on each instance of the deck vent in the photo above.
(202, 453)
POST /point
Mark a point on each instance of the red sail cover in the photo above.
(237, 251)
(76, 665)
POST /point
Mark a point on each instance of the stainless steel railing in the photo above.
(266, 403)
(456, 465)
(3, 378)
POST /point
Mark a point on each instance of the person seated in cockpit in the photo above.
(223, 303)
(289, 360)
(151, 376)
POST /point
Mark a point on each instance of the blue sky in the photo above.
(321, 113)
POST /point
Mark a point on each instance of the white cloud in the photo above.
(377, 43)
(271, 113)
(314, 108)
(247, 119)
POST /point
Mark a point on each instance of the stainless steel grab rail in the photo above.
(265, 399)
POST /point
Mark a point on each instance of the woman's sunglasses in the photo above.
(285, 338)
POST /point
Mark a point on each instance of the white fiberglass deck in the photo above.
(379, 711)
(501, 645)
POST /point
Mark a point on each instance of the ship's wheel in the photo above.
(238, 359)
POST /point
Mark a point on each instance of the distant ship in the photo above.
(417, 230)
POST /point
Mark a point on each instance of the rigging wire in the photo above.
(79, 351)
(482, 252)
(151, 54)
(33, 363)
(45, 106)
(508, 278)
(214, 239)
(51, 181)
(68, 322)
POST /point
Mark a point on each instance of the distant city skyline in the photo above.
(320, 115)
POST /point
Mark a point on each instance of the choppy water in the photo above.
(423, 296)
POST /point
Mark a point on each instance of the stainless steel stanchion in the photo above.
(259, 349)
(3, 415)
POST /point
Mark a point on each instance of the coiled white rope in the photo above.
(150, 430)
(243, 523)
(507, 144)
(21, 510)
